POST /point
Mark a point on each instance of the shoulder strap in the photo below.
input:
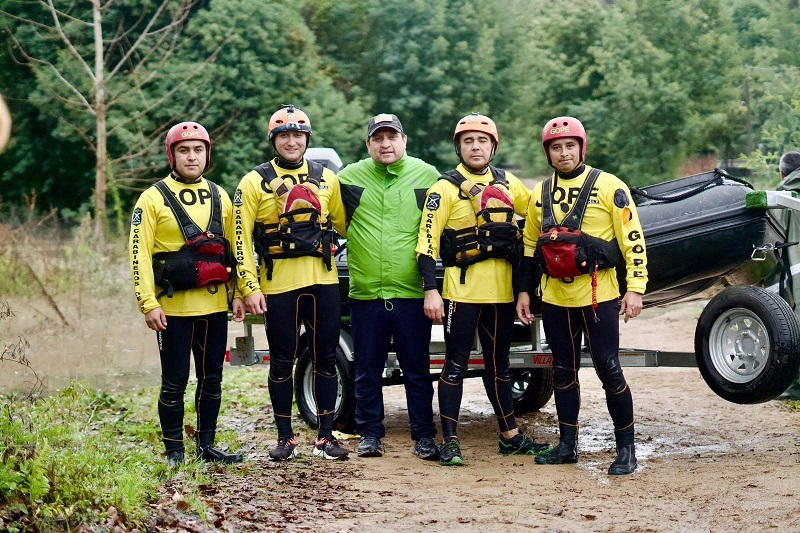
(315, 171)
(574, 218)
(269, 175)
(215, 224)
(469, 188)
(188, 227)
(499, 175)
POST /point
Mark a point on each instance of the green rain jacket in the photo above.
(384, 207)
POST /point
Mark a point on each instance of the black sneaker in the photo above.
(426, 448)
(521, 444)
(174, 458)
(563, 453)
(329, 448)
(450, 453)
(370, 447)
(285, 450)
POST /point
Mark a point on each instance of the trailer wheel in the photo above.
(531, 389)
(747, 345)
(345, 410)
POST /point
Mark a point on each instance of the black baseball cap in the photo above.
(384, 120)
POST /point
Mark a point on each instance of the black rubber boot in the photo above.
(174, 458)
(625, 463)
(563, 453)
(207, 452)
(213, 455)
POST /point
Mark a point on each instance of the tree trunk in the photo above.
(102, 135)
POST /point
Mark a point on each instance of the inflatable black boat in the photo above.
(700, 237)
(702, 241)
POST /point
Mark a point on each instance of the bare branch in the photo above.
(64, 14)
(166, 96)
(66, 40)
(33, 60)
(177, 20)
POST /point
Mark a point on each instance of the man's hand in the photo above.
(524, 308)
(156, 319)
(256, 304)
(238, 310)
(631, 305)
(434, 306)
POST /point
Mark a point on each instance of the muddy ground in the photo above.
(704, 464)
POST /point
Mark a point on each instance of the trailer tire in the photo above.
(747, 345)
(531, 389)
(345, 410)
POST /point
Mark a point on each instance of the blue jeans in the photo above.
(374, 322)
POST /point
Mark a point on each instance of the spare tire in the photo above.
(747, 345)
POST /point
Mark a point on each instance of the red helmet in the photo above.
(187, 131)
(288, 118)
(560, 128)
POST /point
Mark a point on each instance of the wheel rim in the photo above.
(308, 390)
(520, 383)
(739, 345)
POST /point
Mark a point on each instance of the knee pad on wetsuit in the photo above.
(279, 371)
(211, 388)
(564, 379)
(610, 374)
(172, 393)
(453, 372)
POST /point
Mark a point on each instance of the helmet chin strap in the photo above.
(177, 176)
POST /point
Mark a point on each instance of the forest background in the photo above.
(93, 86)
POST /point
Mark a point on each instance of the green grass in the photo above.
(68, 457)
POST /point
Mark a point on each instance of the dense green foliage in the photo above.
(655, 82)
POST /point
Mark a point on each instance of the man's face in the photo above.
(386, 146)
(190, 158)
(291, 145)
(565, 154)
(476, 149)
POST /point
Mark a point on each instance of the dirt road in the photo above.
(705, 465)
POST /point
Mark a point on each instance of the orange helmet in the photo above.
(560, 128)
(288, 118)
(186, 131)
(477, 122)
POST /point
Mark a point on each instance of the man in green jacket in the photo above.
(383, 197)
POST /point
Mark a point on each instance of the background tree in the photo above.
(91, 59)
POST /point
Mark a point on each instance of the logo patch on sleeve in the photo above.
(432, 204)
(621, 198)
(137, 216)
(237, 198)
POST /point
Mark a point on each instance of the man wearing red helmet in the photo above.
(460, 223)
(287, 208)
(184, 294)
(579, 289)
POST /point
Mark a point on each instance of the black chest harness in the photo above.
(300, 231)
(495, 234)
(205, 259)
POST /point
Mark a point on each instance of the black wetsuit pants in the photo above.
(564, 328)
(318, 307)
(205, 337)
(494, 322)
